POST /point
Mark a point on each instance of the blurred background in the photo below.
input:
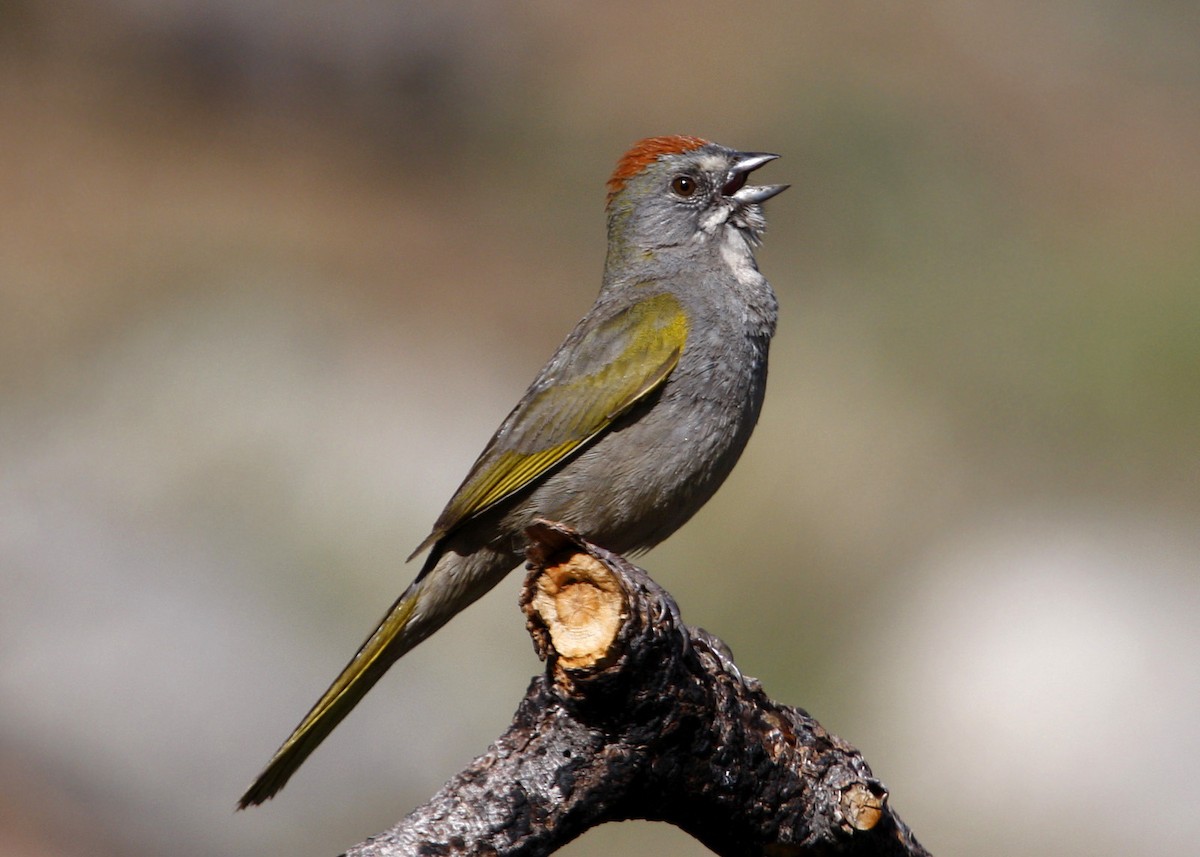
(272, 272)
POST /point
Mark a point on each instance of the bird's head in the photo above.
(679, 191)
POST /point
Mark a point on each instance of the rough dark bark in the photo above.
(640, 716)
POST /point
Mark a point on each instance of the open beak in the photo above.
(735, 186)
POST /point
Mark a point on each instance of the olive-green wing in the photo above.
(602, 370)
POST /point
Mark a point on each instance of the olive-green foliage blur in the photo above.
(271, 273)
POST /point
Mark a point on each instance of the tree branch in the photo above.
(640, 716)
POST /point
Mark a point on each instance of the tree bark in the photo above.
(640, 716)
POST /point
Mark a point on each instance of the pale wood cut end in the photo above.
(582, 607)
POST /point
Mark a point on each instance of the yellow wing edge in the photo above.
(667, 328)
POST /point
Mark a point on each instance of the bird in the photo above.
(630, 427)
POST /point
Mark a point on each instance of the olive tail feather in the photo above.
(380, 651)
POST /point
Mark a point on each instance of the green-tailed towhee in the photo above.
(629, 429)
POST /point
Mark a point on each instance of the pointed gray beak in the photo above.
(735, 186)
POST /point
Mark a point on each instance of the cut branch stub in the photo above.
(581, 605)
(863, 807)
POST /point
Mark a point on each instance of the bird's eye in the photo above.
(684, 186)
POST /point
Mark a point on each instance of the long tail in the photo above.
(380, 651)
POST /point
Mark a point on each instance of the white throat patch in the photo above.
(737, 252)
